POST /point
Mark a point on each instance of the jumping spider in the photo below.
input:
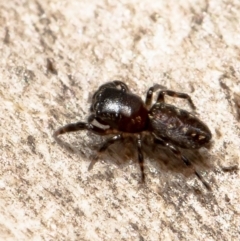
(124, 113)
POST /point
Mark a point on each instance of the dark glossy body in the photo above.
(121, 111)
(126, 112)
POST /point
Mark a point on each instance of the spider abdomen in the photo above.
(178, 126)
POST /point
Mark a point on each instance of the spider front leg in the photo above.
(92, 128)
(178, 153)
(171, 93)
(140, 158)
(150, 92)
(79, 126)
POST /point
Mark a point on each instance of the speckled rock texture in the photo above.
(54, 55)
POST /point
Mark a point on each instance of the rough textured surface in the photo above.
(53, 54)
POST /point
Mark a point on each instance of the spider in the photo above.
(123, 113)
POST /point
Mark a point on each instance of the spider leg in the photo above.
(175, 94)
(178, 153)
(150, 92)
(81, 126)
(104, 146)
(140, 158)
(88, 126)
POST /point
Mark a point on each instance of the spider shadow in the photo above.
(124, 153)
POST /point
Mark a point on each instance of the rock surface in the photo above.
(54, 55)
